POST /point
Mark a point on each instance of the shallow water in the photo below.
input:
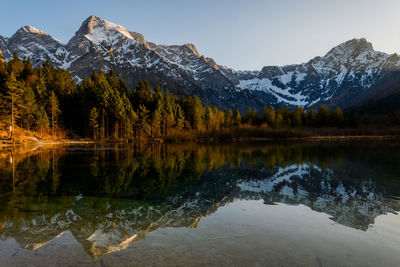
(285, 204)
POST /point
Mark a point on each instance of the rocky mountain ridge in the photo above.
(347, 75)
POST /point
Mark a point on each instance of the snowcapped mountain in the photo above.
(342, 77)
(3, 44)
(102, 44)
(348, 74)
(31, 42)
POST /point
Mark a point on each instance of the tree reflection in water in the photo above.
(109, 197)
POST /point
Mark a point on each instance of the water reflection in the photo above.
(110, 197)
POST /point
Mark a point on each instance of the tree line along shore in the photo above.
(46, 104)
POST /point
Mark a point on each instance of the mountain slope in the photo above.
(349, 74)
(31, 42)
(344, 76)
(381, 106)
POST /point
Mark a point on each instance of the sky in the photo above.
(241, 34)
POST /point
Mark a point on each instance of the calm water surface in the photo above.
(287, 204)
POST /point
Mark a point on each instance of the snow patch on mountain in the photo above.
(282, 176)
(286, 78)
(282, 94)
(300, 77)
(341, 75)
(104, 31)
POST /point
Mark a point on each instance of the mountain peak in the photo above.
(351, 47)
(193, 48)
(92, 21)
(358, 43)
(93, 18)
(31, 29)
(98, 30)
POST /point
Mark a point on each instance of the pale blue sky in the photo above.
(243, 34)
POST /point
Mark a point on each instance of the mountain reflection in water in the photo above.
(109, 197)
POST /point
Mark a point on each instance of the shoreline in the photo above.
(66, 142)
(214, 139)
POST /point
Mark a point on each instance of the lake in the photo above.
(256, 204)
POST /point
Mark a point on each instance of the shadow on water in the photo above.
(108, 197)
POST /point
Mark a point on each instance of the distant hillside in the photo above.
(381, 106)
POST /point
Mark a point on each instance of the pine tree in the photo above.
(269, 116)
(28, 74)
(15, 65)
(134, 119)
(113, 81)
(158, 96)
(104, 99)
(117, 110)
(144, 123)
(142, 96)
(40, 90)
(297, 117)
(209, 119)
(228, 120)
(127, 122)
(247, 118)
(180, 117)
(168, 113)
(311, 117)
(29, 107)
(14, 98)
(279, 120)
(54, 111)
(237, 119)
(93, 122)
(157, 119)
(42, 120)
(323, 116)
(219, 118)
(337, 117)
(198, 111)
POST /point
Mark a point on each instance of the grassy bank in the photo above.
(24, 137)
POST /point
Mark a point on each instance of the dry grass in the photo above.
(22, 136)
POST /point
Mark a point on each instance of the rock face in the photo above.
(350, 73)
(33, 43)
(3, 44)
(1, 56)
